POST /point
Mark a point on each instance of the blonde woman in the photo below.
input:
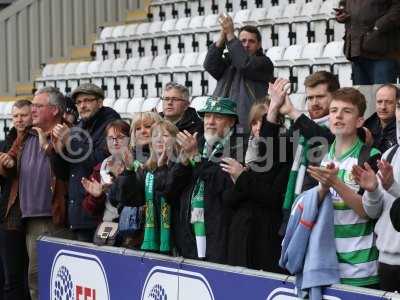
(148, 185)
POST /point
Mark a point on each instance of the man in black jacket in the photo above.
(176, 108)
(382, 124)
(201, 220)
(84, 146)
(243, 73)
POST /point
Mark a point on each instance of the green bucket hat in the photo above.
(222, 106)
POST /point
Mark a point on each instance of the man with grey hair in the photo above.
(39, 196)
(176, 108)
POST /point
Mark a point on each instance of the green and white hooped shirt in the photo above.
(354, 236)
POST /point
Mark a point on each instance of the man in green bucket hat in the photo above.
(201, 225)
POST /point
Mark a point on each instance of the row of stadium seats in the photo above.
(145, 76)
(167, 9)
(281, 25)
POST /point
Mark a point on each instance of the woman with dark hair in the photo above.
(97, 185)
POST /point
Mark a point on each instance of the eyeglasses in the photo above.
(84, 100)
(40, 106)
(112, 139)
(173, 99)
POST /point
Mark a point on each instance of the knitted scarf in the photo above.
(156, 239)
(299, 167)
(197, 200)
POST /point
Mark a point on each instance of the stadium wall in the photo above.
(33, 32)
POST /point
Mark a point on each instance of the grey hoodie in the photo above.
(377, 204)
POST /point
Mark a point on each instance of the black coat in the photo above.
(216, 215)
(384, 138)
(128, 189)
(256, 201)
(82, 160)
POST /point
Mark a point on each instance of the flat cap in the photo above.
(88, 89)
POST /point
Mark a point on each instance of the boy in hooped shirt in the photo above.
(354, 231)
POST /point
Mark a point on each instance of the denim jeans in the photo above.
(367, 71)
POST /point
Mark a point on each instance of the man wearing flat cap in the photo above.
(85, 149)
(201, 220)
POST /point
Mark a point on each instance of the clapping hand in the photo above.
(43, 142)
(385, 174)
(326, 176)
(188, 143)
(6, 161)
(92, 187)
(232, 167)
(365, 177)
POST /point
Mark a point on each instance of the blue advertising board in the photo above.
(70, 270)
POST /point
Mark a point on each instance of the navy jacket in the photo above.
(88, 148)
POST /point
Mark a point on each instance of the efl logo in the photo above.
(78, 276)
(162, 284)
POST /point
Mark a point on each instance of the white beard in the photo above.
(211, 139)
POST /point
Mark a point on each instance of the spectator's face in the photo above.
(143, 132)
(116, 141)
(22, 117)
(255, 128)
(318, 100)
(161, 140)
(43, 113)
(249, 42)
(386, 104)
(216, 126)
(344, 118)
(87, 105)
(174, 105)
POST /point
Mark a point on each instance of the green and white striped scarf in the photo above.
(156, 239)
(197, 200)
(299, 167)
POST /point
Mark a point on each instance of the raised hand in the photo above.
(163, 159)
(232, 167)
(365, 177)
(188, 143)
(278, 91)
(61, 133)
(227, 27)
(92, 187)
(42, 137)
(385, 174)
(127, 158)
